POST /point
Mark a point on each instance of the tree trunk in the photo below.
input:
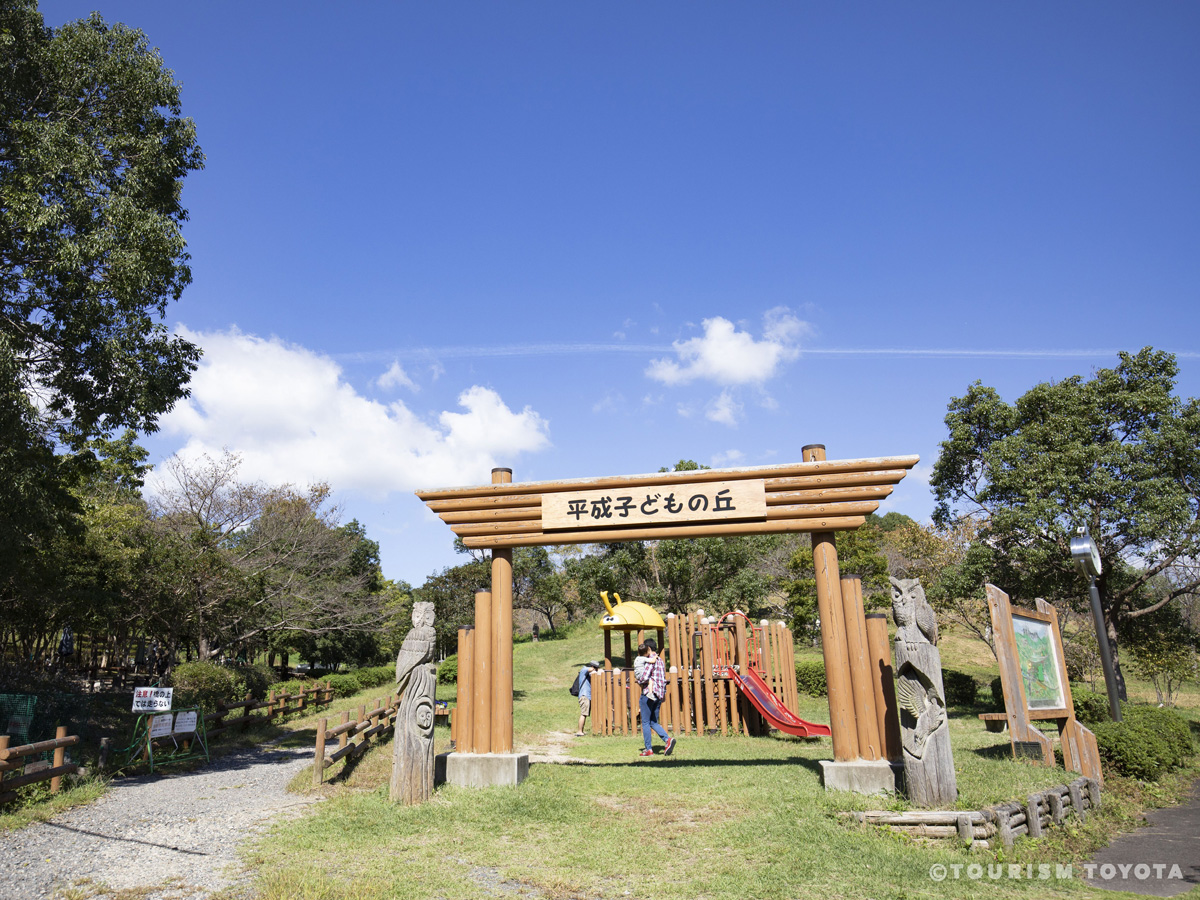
(412, 740)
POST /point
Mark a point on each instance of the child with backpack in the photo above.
(582, 688)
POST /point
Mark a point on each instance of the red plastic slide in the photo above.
(778, 715)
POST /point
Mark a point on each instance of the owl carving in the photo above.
(915, 620)
(418, 646)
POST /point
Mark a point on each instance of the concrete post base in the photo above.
(481, 769)
(861, 776)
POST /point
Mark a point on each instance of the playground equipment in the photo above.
(724, 676)
(628, 617)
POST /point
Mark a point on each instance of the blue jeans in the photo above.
(650, 720)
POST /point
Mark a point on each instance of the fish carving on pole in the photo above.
(416, 681)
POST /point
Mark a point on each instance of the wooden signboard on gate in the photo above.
(823, 495)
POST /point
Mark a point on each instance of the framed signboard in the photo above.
(1038, 657)
(1033, 674)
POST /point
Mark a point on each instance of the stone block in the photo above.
(481, 769)
(860, 776)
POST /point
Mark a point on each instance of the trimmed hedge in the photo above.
(960, 688)
(448, 670)
(810, 678)
(1145, 743)
(1091, 708)
(375, 676)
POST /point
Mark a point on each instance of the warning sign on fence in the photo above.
(150, 699)
(160, 726)
(185, 722)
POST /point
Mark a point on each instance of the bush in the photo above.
(203, 684)
(258, 680)
(1168, 724)
(344, 685)
(1147, 742)
(960, 688)
(810, 678)
(1090, 708)
(998, 693)
(375, 676)
(448, 670)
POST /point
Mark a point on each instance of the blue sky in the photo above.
(586, 240)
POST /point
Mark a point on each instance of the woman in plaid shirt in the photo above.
(653, 680)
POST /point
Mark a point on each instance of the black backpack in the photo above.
(577, 684)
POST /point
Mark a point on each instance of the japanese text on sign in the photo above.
(148, 699)
(160, 726)
(669, 504)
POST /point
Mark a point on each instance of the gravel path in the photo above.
(178, 832)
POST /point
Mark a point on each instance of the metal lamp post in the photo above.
(1087, 560)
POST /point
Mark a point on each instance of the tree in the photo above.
(859, 553)
(950, 564)
(250, 561)
(1119, 453)
(93, 152)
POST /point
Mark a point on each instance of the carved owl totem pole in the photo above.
(416, 680)
(924, 729)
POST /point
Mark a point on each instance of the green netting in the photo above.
(16, 717)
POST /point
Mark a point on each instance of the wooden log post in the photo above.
(412, 764)
(833, 634)
(465, 708)
(319, 754)
(481, 680)
(59, 758)
(883, 683)
(502, 639)
(865, 720)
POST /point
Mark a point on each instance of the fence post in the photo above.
(271, 707)
(319, 756)
(344, 736)
(60, 754)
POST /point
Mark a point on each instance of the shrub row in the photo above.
(810, 678)
(448, 670)
(960, 688)
(1145, 743)
(204, 684)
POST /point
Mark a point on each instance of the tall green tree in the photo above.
(1118, 452)
(93, 152)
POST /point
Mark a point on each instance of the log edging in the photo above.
(1000, 824)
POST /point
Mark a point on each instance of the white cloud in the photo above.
(293, 418)
(728, 458)
(730, 357)
(396, 377)
(724, 409)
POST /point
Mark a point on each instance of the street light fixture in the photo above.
(1087, 559)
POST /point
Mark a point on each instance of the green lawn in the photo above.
(730, 818)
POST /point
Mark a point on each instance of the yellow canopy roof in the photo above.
(630, 615)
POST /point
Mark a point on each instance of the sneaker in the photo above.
(646, 753)
(670, 746)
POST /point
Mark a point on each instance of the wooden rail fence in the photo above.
(368, 724)
(275, 705)
(12, 759)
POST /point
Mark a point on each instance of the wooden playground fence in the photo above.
(697, 700)
(275, 705)
(367, 724)
(12, 760)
